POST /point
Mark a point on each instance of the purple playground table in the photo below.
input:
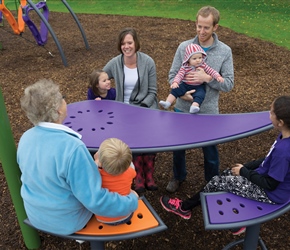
(222, 210)
(149, 130)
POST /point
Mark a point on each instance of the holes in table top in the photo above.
(100, 227)
(259, 208)
(219, 202)
(221, 212)
(111, 116)
(242, 205)
(140, 216)
(103, 128)
(236, 211)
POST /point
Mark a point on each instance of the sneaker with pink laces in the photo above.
(238, 231)
(174, 206)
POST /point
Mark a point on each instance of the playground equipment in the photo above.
(151, 130)
(222, 210)
(219, 209)
(145, 221)
(12, 174)
(40, 35)
(16, 25)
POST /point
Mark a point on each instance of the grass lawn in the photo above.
(264, 19)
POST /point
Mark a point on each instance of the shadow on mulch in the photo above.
(261, 74)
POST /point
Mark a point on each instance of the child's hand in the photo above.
(174, 85)
(220, 79)
(236, 169)
(98, 99)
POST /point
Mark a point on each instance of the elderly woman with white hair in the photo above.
(61, 186)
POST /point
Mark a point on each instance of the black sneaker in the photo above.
(173, 185)
(174, 206)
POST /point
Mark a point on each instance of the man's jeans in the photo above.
(211, 162)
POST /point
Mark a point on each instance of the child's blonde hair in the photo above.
(115, 156)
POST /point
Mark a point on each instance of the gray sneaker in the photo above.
(173, 185)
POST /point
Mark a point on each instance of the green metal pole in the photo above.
(12, 174)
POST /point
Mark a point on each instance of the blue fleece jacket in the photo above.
(61, 185)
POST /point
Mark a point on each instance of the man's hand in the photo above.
(187, 96)
(198, 76)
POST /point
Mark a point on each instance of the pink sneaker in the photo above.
(238, 231)
(174, 206)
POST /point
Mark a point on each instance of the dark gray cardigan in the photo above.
(145, 90)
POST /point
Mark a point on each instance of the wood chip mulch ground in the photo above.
(261, 74)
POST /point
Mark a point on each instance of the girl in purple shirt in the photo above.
(100, 86)
(265, 180)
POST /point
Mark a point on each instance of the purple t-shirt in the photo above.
(110, 96)
(277, 166)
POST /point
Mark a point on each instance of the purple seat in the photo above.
(40, 35)
(222, 210)
(148, 130)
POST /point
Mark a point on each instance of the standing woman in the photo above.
(136, 83)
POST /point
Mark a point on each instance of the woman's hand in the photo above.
(134, 192)
(236, 169)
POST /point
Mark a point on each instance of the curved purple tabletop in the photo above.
(149, 130)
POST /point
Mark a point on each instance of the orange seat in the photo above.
(16, 25)
(142, 219)
(145, 221)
